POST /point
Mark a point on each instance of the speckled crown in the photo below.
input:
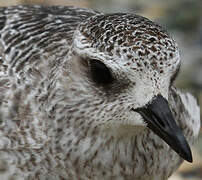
(132, 37)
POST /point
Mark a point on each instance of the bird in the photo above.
(86, 95)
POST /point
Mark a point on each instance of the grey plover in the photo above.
(86, 95)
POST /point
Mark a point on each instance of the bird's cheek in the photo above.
(135, 119)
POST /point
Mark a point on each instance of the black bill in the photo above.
(159, 119)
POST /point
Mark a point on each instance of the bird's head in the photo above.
(123, 67)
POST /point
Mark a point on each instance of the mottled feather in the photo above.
(52, 115)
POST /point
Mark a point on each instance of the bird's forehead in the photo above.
(134, 39)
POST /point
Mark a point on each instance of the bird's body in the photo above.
(57, 123)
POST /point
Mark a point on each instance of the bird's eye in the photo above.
(100, 72)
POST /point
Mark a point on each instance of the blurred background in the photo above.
(183, 19)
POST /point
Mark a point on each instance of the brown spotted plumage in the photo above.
(74, 86)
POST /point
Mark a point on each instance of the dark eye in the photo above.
(100, 72)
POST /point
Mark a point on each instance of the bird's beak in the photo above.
(160, 120)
